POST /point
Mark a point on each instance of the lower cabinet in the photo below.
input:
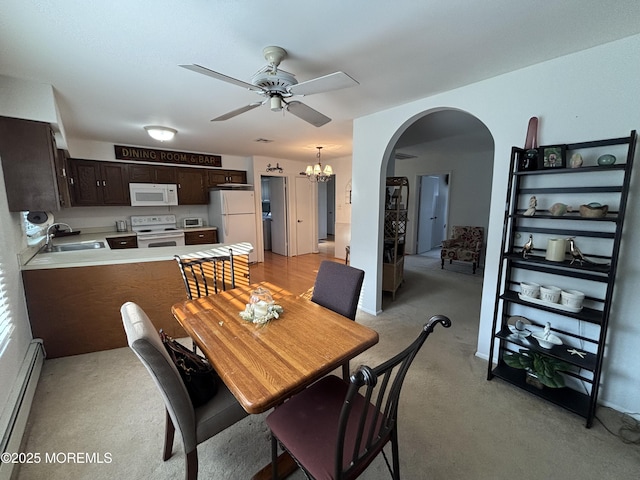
(200, 237)
(77, 310)
(128, 241)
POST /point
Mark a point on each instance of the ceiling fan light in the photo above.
(275, 104)
(159, 133)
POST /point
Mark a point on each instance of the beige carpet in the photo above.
(453, 424)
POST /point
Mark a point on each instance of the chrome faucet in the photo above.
(48, 244)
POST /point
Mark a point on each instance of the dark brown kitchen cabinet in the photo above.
(62, 170)
(28, 156)
(152, 174)
(192, 186)
(217, 177)
(126, 241)
(199, 237)
(96, 183)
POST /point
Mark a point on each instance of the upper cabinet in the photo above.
(192, 186)
(141, 173)
(28, 157)
(217, 177)
(98, 183)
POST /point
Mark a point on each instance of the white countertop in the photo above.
(107, 256)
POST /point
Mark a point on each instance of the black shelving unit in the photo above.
(599, 240)
(395, 231)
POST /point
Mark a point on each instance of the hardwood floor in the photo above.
(296, 274)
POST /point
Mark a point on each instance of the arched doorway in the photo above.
(458, 149)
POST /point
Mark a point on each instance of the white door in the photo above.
(427, 215)
(304, 217)
(331, 206)
(277, 197)
(322, 211)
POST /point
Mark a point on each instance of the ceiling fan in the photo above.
(277, 85)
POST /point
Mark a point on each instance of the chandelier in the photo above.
(315, 173)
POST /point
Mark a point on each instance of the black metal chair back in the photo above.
(365, 410)
(206, 275)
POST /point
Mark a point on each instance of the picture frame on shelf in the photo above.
(554, 156)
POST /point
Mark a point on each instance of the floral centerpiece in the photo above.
(261, 307)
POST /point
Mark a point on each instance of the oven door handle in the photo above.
(160, 237)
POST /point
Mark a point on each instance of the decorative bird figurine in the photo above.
(527, 247)
(577, 255)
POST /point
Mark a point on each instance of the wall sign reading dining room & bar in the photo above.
(137, 154)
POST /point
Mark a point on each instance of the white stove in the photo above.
(157, 231)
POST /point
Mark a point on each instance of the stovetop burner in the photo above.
(155, 224)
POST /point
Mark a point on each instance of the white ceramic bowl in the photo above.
(571, 298)
(549, 293)
(529, 289)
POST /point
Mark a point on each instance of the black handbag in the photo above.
(197, 373)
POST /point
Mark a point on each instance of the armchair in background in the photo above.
(465, 245)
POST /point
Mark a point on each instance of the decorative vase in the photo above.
(260, 300)
(556, 249)
(606, 160)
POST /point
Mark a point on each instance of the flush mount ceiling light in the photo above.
(315, 173)
(159, 133)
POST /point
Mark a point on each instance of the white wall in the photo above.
(342, 170)
(589, 95)
(31, 101)
(470, 171)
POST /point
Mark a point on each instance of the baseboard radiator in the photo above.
(14, 420)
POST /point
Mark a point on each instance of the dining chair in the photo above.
(334, 429)
(337, 287)
(205, 274)
(194, 425)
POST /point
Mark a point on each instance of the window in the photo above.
(6, 326)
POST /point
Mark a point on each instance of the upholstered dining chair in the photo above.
(334, 428)
(194, 425)
(465, 245)
(337, 287)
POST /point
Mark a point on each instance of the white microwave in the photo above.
(153, 194)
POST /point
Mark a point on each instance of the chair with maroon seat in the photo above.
(334, 429)
(337, 287)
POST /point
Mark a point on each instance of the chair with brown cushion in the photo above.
(194, 425)
(465, 245)
(334, 428)
(337, 287)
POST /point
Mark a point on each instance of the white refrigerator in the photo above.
(234, 213)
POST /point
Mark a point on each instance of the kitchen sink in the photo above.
(72, 247)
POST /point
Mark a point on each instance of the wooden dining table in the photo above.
(264, 364)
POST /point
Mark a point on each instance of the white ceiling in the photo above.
(114, 65)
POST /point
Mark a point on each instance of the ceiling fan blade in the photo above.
(237, 111)
(333, 81)
(307, 113)
(220, 76)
